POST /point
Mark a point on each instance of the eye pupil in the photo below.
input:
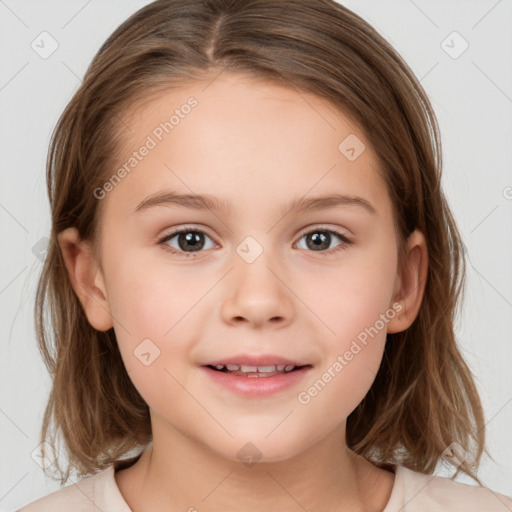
(319, 240)
(190, 240)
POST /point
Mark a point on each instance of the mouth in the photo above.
(258, 371)
(261, 380)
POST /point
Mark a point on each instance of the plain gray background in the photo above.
(471, 92)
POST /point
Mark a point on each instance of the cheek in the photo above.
(354, 306)
(155, 310)
(150, 298)
(150, 315)
(352, 348)
(353, 296)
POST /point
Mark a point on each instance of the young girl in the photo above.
(253, 273)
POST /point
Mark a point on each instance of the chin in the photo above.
(255, 450)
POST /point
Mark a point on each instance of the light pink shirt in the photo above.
(412, 492)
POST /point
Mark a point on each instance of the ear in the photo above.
(86, 278)
(410, 285)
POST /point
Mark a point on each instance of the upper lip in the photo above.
(255, 360)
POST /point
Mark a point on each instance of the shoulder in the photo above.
(435, 493)
(84, 496)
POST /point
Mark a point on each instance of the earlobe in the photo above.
(86, 278)
(411, 284)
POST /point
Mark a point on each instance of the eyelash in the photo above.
(342, 247)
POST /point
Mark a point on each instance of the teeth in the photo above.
(255, 369)
(246, 369)
(260, 369)
(266, 369)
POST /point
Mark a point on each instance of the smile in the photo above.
(255, 371)
(256, 381)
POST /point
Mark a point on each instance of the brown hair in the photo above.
(423, 398)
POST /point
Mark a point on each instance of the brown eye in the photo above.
(187, 241)
(320, 240)
(190, 241)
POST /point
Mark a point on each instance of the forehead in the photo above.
(234, 134)
(223, 104)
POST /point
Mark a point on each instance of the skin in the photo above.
(257, 146)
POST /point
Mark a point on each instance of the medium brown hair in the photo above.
(423, 398)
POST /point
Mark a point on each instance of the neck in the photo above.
(176, 473)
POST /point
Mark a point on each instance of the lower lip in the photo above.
(257, 386)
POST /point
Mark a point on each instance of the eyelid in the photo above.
(346, 240)
(184, 228)
(323, 227)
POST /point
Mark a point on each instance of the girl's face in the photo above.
(313, 285)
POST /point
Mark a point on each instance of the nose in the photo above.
(255, 293)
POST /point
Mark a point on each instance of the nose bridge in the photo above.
(255, 292)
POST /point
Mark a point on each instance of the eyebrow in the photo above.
(208, 202)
